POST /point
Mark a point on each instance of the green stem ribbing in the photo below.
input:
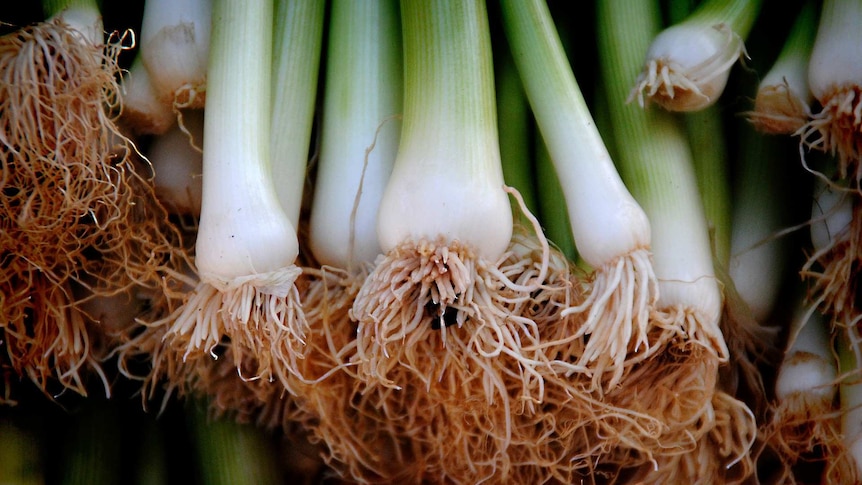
(739, 15)
(655, 160)
(513, 122)
(444, 79)
(230, 453)
(297, 38)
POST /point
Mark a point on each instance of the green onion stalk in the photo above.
(247, 245)
(359, 139)
(610, 229)
(78, 207)
(440, 331)
(678, 385)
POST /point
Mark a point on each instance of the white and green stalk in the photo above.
(611, 231)
(447, 182)
(757, 258)
(177, 160)
(174, 47)
(246, 244)
(783, 100)
(83, 16)
(687, 65)
(514, 127)
(360, 132)
(296, 61)
(655, 160)
(834, 73)
(445, 224)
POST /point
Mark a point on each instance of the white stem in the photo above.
(177, 163)
(143, 111)
(447, 180)
(243, 230)
(360, 134)
(836, 60)
(175, 43)
(296, 60)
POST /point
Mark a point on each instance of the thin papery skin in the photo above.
(688, 75)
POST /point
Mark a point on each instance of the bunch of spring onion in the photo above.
(79, 211)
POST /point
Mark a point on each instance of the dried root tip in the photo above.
(617, 310)
(778, 110)
(261, 316)
(802, 430)
(676, 86)
(837, 129)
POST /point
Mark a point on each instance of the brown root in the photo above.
(722, 455)
(433, 312)
(833, 272)
(264, 323)
(778, 111)
(49, 340)
(837, 130)
(617, 307)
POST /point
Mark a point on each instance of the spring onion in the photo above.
(174, 48)
(440, 331)
(687, 65)
(360, 134)
(655, 159)
(246, 245)
(611, 231)
(833, 76)
(804, 417)
(782, 104)
(448, 170)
